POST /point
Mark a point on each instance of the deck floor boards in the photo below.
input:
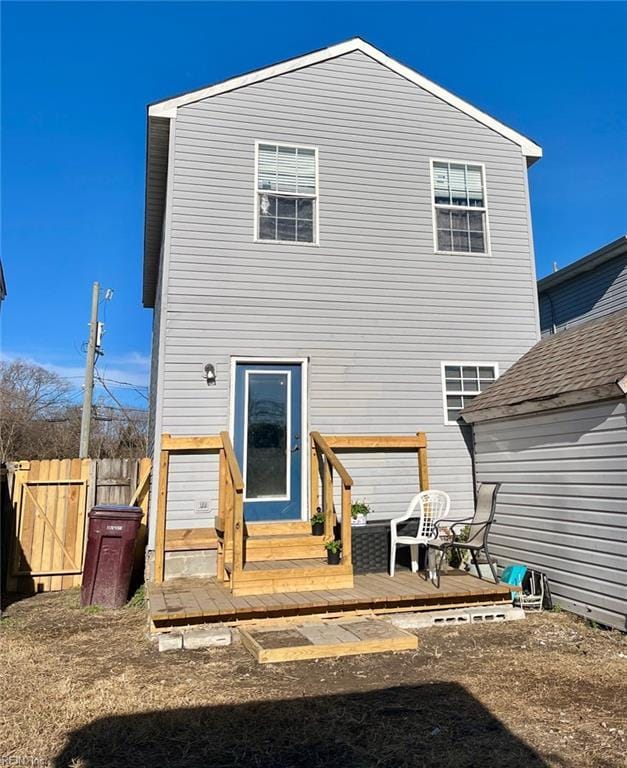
(196, 600)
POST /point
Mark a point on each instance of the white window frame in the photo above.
(461, 364)
(448, 206)
(304, 451)
(315, 197)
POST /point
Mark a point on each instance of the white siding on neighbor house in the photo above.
(562, 507)
(372, 307)
(585, 296)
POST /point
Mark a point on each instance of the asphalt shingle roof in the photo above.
(592, 354)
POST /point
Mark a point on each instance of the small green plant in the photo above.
(360, 508)
(456, 557)
(92, 609)
(317, 518)
(333, 545)
(138, 600)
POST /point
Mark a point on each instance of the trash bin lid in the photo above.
(115, 511)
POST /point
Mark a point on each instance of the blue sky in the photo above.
(76, 78)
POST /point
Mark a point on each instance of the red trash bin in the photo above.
(109, 556)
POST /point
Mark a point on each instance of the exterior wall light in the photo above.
(210, 374)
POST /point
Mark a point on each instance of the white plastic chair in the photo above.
(434, 506)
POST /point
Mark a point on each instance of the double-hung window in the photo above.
(462, 382)
(286, 193)
(459, 198)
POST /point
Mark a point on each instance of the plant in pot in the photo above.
(460, 558)
(334, 549)
(359, 511)
(317, 523)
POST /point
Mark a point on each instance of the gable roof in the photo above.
(168, 107)
(583, 364)
(161, 112)
(587, 263)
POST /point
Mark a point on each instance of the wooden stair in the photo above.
(281, 541)
(279, 576)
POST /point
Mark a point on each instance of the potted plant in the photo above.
(317, 523)
(460, 558)
(333, 548)
(359, 511)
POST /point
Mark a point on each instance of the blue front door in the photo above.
(267, 439)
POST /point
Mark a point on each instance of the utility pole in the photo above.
(89, 374)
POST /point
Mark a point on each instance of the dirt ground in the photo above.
(86, 688)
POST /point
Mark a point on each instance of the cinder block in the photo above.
(170, 641)
(491, 614)
(487, 614)
(206, 637)
(425, 619)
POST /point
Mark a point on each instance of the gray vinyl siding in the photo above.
(562, 507)
(585, 296)
(372, 307)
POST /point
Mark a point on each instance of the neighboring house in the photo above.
(347, 246)
(591, 287)
(553, 431)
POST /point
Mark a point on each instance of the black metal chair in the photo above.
(477, 541)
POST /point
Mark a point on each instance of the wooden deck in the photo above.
(191, 601)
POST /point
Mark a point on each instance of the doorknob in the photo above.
(296, 444)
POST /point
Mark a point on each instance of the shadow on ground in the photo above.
(420, 726)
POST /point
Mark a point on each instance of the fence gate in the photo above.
(50, 501)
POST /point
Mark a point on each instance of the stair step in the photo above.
(281, 547)
(281, 528)
(277, 576)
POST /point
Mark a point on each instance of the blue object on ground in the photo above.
(514, 575)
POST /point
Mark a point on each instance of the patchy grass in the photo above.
(138, 600)
(89, 690)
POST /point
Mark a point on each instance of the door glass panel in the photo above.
(266, 438)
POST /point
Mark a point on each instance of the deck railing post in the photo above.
(164, 467)
(423, 466)
(314, 471)
(347, 543)
(328, 499)
(222, 471)
(238, 536)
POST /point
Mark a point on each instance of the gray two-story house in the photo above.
(333, 243)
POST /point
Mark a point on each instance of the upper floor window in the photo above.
(459, 199)
(462, 382)
(286, 193)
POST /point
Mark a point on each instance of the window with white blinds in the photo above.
(459, 199)
(286, 193)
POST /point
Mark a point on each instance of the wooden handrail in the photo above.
(234, 509)
(231, 460)
(377, 442)
(230, 495)
(333, 460)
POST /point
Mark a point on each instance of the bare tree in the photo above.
(31, 399)
(40, 420)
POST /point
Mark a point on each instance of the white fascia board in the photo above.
(168, 107)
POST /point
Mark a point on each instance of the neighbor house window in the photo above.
(286, 193)
(460, 207)
(462, 383)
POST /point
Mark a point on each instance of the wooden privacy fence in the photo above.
(50, 500)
